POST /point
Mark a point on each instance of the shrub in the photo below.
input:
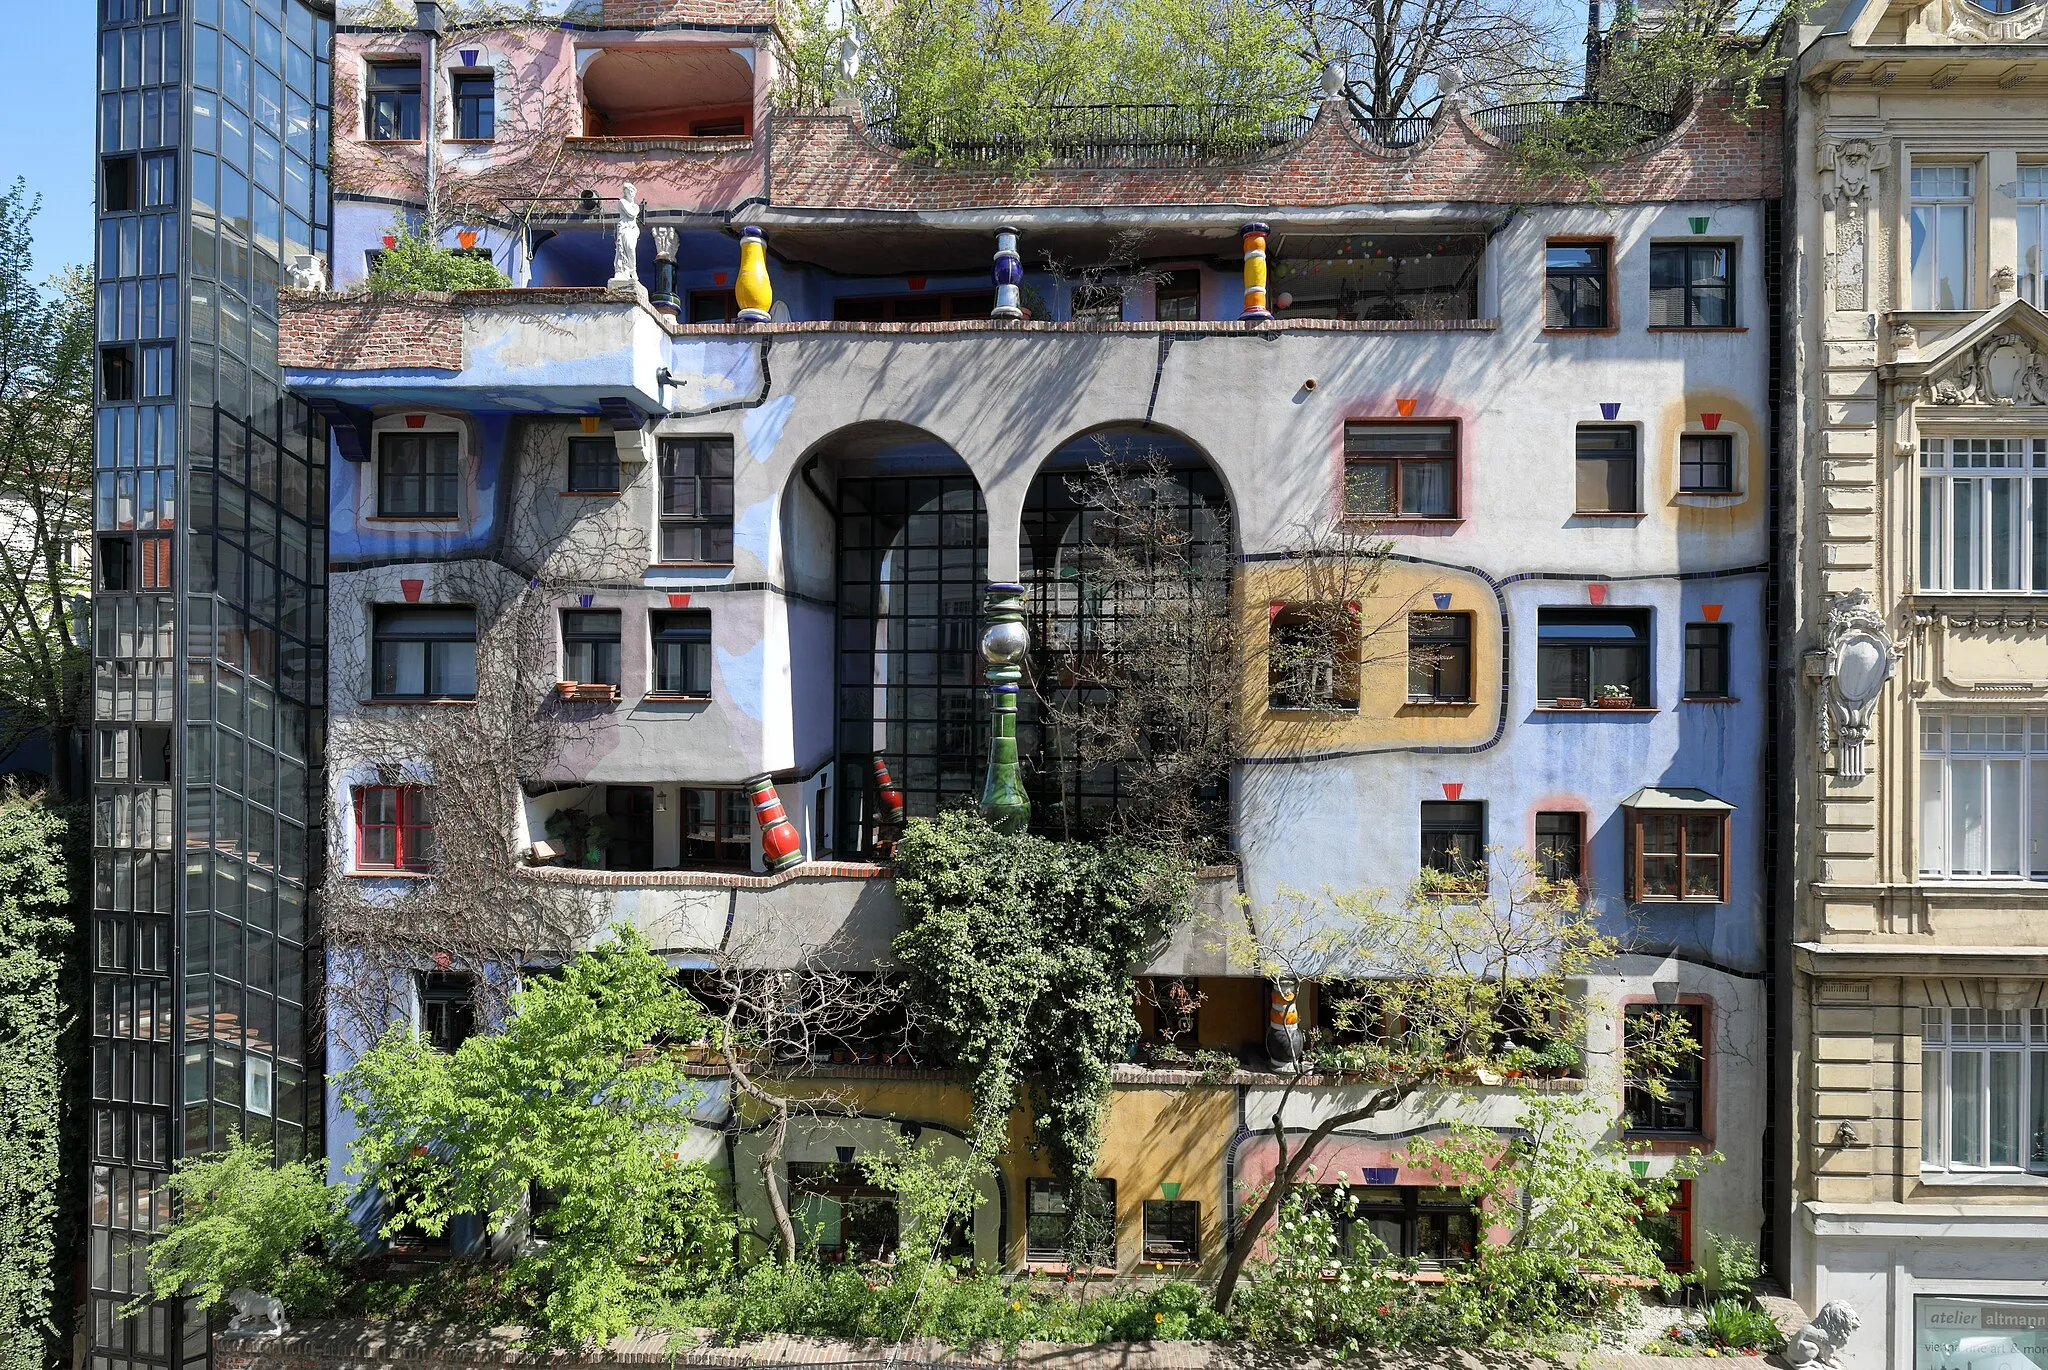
(1734, 1325)
(416, 262)
(246, 1223)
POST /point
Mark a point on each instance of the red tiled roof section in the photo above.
(822, 160)
(371, 333)
(635, 13)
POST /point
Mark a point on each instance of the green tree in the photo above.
(46, 378)
(584, 1098)
(244, 1222)
(38, 1074)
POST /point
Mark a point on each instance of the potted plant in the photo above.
(587, 692)
(1616, 697)
(1568, 702)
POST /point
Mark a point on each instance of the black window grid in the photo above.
(912, 567)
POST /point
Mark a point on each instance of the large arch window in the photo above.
(1089, 599)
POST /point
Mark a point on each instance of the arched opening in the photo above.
(1127, 558)
(908, 548)
(668, 92)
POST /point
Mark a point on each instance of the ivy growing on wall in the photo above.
(1021, 956)
(38, 1071)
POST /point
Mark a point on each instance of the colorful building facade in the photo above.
(752, 555)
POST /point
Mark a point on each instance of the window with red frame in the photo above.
(1671, 1230)
(394, 828)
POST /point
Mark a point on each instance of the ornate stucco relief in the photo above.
(1847, 172)
(1967, 22)
(1857, 660)
(2005, 369)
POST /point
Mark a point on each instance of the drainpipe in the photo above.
(1592, 45)
(427, 16)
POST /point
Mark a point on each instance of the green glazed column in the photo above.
(1003, 644)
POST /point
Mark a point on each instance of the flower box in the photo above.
(1568, 702)
(586, 693)
(1617, 702)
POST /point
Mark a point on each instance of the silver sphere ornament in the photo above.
(1004, 644)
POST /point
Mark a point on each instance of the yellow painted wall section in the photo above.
(1157, 1134)
(1384, 717)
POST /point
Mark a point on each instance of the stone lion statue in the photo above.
(256, 1314)
(1818, 1342)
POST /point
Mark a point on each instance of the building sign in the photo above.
(1979, 1334)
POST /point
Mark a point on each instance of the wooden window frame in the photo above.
(1478, 875)
(1612, 310)
(1636, 819)
(700, 302)
(1038, 1255)
(372, 89)
(486, 106)
(589, 636)
(1455, 458)
(380, 639)
(408, 856)
(732, 841)
(427, 477)
(1646, 644)
(1578, 844)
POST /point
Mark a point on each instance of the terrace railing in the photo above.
(1511, 123)
(1097, 135)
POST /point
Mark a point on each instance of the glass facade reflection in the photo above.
(208, 622)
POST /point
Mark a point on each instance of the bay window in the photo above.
(1983, 1089)
(1984, 796)
(1984, 513)
(1677, 845)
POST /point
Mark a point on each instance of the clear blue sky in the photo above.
(46, 120)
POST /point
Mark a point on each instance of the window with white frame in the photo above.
(1942, 228)
(1984, 796)
(1984, 513)
(1983, 1089)
(2033, 210)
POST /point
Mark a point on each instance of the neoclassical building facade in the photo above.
(1912, 1056)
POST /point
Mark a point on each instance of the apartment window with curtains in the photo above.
(1984, 513)
(1400, 470)
(1942, 225)
(1983, 1089)
(1984, 796)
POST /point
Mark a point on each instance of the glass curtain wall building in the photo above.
(208, 622)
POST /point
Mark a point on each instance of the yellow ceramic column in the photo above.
(756, 297)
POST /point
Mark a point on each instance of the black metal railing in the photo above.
(1394, 133)
(1095, 135)
(1510, 123)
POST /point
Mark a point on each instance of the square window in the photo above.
(1677, 1112)
(418, 475)
(1575, 285)
(1706, 661)
(1560, 845)
(1706, 464)
(1454, 840)
(1692, 285)
(1312, 658)
(1059, 1231)
(593, 466)
(394, 827)
(590, 646)
(714, 306)
(1585, 654)
(1606, 459)
(840, 1215)
(1400, 470)
(424, 652)
(1173, 1231)
(1440, 658)
(696, 500)
(682, 652)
